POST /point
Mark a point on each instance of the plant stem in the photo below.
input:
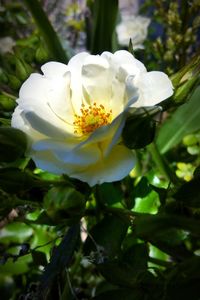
(161, 163)
(47, 31)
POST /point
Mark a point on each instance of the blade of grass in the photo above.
(105, 16)
(46, 29)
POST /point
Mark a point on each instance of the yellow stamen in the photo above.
(91, 118)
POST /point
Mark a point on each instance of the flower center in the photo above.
(91, 118)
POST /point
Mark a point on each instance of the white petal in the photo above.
(75, 66)
(44, 95)
(19, 122)
(52, 69)
(59, 98)
(112, 168)
(66, 152)
(122, 64)
(46, 161)
(76, 62)
(132, 92)
(97, 80)
(126, 59)
(34, 90)
(125, 66)
(154, 87)
(45, 127)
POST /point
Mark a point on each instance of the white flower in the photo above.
(6, 44)
(74, 114)
(134, 28)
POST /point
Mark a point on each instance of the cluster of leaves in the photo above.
(135, 239)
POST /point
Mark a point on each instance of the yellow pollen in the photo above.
(91, 118)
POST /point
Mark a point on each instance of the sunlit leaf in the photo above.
(63, 202)
(183, 121)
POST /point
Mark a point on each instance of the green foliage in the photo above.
(183, 121)
(13, 180)
(104, 20)
(64, 202)
(108, 235)
(13, 144)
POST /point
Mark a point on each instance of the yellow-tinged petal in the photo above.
(114, 167)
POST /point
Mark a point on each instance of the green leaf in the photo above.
(167, 232)
(122, 274)
(148, 204)
(149, 225)
(23, 70)
(133, 262)
(136, 257)
(64, 202)
(13, 180)
(14, 82)
(183, 121)
(142, 189)
(7, 103)
(186, 80)
(183, 281)
(13, 144)
(41, 54)
(16, 232)
(21, 266)
(104, 20)
(118, 273)
(5, 122)
(109, 234)
(109, 194)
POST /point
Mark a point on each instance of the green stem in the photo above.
(9, 95)
(161, 163)
(138, 166)
(52, 41)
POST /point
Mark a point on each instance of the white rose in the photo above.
(74, 114)
(134, 28)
